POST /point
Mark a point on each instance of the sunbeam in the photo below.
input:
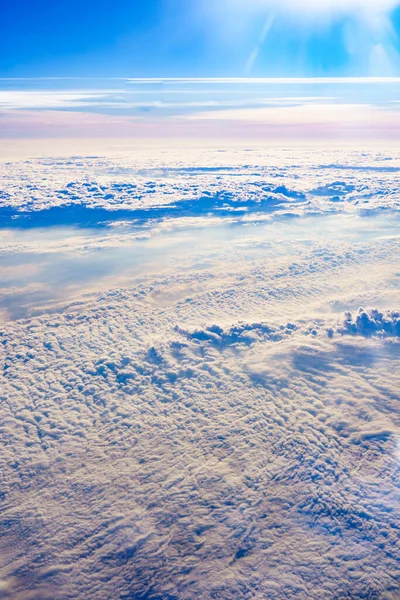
(315, 33)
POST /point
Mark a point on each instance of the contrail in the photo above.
(256, 50)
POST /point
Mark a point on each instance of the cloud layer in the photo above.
(228, 425)
(147, 463)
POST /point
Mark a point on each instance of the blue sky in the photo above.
(71, 68)
(185, 38)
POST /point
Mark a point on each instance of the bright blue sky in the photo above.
(163, 38)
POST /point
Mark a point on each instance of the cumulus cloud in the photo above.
(372, 322)
(257, 180)
(241, 334)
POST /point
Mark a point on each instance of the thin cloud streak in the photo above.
(212, 80)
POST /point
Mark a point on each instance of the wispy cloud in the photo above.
(142, 110)
(318, 7)
(306, 113)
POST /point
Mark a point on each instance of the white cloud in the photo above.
(216, 465)
(34, 99)
(200, 433)
(314, 113)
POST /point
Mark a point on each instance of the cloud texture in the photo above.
(227, 426)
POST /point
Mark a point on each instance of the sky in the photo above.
(188, 38)
(200, 69)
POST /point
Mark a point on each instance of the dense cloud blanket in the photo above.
(227, 428)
